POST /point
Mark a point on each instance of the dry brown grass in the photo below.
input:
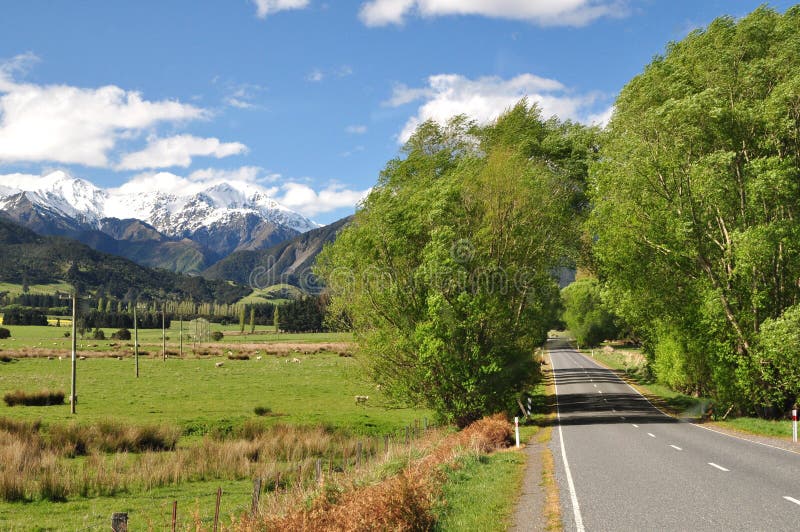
(402, 502)
(40, 398)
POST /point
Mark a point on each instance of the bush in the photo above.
(122, 334)
(42, 398)
(4, 333)
(238, 357)
(98, 334)
(262, 410)
(217, 336)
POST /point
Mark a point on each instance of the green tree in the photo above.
(242, 314)
(445, 272)
(586, 315)
(252, 320)
(697, 198)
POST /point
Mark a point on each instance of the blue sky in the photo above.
(307, 98)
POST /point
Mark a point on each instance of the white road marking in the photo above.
(570, 484)
(712, 464)
(792, 499)
(676, 447)
(599, 391)
(651, 434)
(635, 425)
(622, 418)
(594, 385)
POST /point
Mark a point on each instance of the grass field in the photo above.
(51, 337)
(194, 395)
(36, 288)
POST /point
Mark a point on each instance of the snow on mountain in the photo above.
(174, 213)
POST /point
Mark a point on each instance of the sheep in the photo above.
(361, 399)
(296, 360)
(258, 357)
(218, 364)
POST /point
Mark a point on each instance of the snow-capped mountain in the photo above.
(220, 217)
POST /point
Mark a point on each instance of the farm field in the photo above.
(205, 402)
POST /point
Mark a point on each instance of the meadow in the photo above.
(304, 393)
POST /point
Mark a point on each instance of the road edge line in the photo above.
(570, 484)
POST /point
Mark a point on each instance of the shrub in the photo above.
(262, 410)
(42, 398)
(98, 334)
(5, 358)
(217, 336)
(4, 333)
(122, 334)
(238, 357)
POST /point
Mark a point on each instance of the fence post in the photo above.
(516, 429)
(174, 515)
(216, 510)
(256, 496)
(318, 471)
(794, 424)
(119, 522)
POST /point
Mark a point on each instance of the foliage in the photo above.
(4, 333)
(303, 315)
(98, 334)
(217, 335)
(585, 314)
(696, 201)
(122, 334)
(42, 398)
(776, 360)
(445, 272)
(24, 316)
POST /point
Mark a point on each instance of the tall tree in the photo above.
(446, 270)
(697, 195)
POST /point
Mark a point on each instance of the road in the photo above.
(621, 464)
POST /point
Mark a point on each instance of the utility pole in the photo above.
(163, 330)
(73, 397)
(181, 334)
(136, 339)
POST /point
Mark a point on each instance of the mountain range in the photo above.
(186, 231)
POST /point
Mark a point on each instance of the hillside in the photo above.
(288, 262)
(28, 257)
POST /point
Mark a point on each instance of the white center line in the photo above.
(676, 447)
(712, 464)
(594, 385)
(599, 391)
(635, 425)
(651, 434)
(792, 499)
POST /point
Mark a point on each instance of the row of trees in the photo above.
(692, 239)
(695, 215)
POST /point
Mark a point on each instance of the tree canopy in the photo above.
(696, 200)
(447, 270)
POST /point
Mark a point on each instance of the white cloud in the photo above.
(484, 99)
(315, 75)
(318, 74)
(178, 151)
(249, 174)
(356, 129)
(268, 7)
(307, 201)
(72, 125)
(541, 12)
(602, 118)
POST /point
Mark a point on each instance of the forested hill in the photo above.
(286, 262)
(28, 257)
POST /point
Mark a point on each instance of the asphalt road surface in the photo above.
(621, 464)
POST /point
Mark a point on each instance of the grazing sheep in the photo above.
(361, 399)
(61, 358)
(81, 358)
(258, 357)
(218, 365)
(297, 360)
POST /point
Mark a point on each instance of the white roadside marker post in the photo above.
(794, 424)
(516, 429)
